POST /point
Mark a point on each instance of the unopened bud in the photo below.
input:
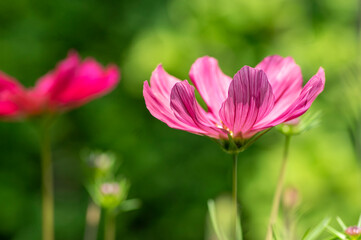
(102, 161)
(353, 231)
(290, 197)
(110, 188)
(299, 125)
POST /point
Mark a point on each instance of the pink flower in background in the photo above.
(10, 90)
(254, 100)
(72, 83)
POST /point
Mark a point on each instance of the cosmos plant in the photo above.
(71, 84)
(239, 109)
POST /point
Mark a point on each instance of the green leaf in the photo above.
(213, 215)
(130, 205)
(341, 223)
(315, 232)
(306, 233)
(336, 233)
(275, 234)
(359, 222)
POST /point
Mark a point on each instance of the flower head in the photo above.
(353, 231)
(253, 100)
(72, 83)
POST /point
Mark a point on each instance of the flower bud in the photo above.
(300, 125)
(110, 188)
(290, 198)
(99, 166)
(112, 194)
(353, 231)
(101, 161)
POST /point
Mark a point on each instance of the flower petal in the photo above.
(10, 90)
(74, 83)
(54, 83)
(308, 94)
(210, 82)
(250, 98)
(157, 98)
(284, 75)
(90, 81)
(186, 109)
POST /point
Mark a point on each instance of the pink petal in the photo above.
(157, 98)
(90, 81)
(9, 109)
(74, 83)
(210, 82)
(250, 98)
(285, 78)
(188, 111)
(10, 89)
(284, 75)
(308, 94)
(8, 83)
(54, 83)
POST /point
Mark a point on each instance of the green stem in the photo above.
(47, 185)
(235, 204)
(109, 228)
(92, 221)
(277, 196)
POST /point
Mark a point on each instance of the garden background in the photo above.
(174, 173)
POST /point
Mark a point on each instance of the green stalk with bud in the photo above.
(288, 129)
(108, 189)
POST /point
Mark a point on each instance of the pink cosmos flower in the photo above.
(72, 83)
(353, 231)
(253, 100)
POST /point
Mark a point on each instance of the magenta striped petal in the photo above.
(308, 94)
(250, 98)
(284, 75)
(157, 98)
(211, 83)
(187, 110)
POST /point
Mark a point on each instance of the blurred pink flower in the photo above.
(10, 90)
(254, 100)
(72, 83)
(353, 231)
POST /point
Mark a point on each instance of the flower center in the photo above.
(224, 127)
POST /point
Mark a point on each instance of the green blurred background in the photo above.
(174, 173)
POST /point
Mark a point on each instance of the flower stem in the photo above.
(47, 185)
(92, 221)
(277, 196)
(235, 204)
(109, 228)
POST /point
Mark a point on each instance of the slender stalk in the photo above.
(277, 196)
(47, 185)
(92, 221)
(235, 204)
(358, 27)
(109, 228)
